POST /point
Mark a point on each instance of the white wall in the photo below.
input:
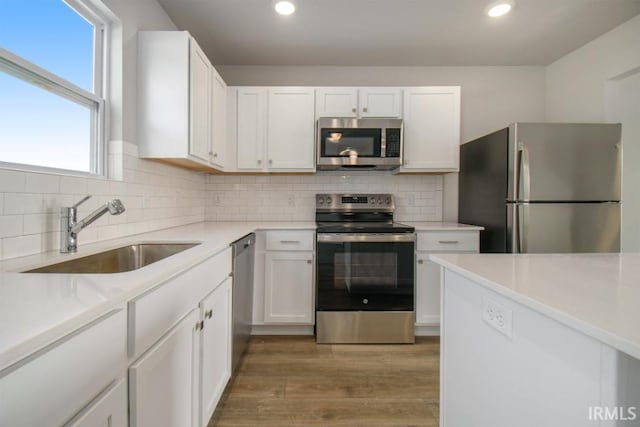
(492, 97)
(576, 84)
(156, 196)
(132, 16)
(623, 106)
(598, 83)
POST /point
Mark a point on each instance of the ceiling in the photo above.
(395, 32)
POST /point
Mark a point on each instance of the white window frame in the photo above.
(96, 100)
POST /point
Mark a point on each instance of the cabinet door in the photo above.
(199, 96)
(431, 128)
(216, 348)
(380, 102)
(337, 102)
(427, 292)
(161, 382)
(218, 120)
(291, 129)
(251, 126)
(55, 383)
(109, 410)
(288, 292)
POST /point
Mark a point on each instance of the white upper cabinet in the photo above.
(380, 102)
(275, 129)
(200, 102)
(291, 125)
(251, 127)
(431, 129)
(179, 101)
(359, 102)
(218, 152)
(336, 102)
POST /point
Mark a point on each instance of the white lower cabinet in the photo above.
(428, 272)
(108, 410)
(288, 287)
(62, 380)
(216, 342)
(161, 382)
(178, 380)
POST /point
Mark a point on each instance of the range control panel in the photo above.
(350, 202)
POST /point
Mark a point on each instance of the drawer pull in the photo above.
(448, 242)
(208, 314)
(420, 261)
(290, 242)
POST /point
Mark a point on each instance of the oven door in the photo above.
(368, 272)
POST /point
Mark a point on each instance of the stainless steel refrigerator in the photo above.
(544, 188)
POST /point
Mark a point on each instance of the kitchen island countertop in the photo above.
(596, 294)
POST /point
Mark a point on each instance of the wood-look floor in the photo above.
(292, 381)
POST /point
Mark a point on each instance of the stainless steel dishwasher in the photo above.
(243, 256)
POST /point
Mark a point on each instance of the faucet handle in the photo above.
(84, 199)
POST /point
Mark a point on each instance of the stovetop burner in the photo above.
(363, 227)
(357, 213)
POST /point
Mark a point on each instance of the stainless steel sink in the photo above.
(117, 260)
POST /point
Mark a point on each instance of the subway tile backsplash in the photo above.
(158, 196)
(292, 197)
(155, 196)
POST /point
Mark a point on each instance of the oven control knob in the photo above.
(328, 200)
(366, 301)
(379, 201)
(388, 200)
(320, 201)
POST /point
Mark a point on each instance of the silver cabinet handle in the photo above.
(364, 109)
(259, 162)
(353, 110)
(290, 242)
(420, 261)
(199, 325)
(448, 242)
(215, 155)
(208, 314)
(270, 161)
(309, 261)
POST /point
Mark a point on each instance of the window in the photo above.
(52, 107)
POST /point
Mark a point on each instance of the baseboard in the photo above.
(282, 330)
(427, 331)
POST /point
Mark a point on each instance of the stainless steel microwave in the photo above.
(345, 143)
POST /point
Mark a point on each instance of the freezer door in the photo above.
(564, 162)
(563, 227)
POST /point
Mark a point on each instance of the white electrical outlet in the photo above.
(497, 316)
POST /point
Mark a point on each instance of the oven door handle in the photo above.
(365, 238)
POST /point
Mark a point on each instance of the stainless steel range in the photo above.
(365, 271)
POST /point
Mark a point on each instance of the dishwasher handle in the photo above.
(243, 244)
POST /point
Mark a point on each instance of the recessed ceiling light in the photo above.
(284, 7)
(499, 8)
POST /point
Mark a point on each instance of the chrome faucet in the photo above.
(70, 227)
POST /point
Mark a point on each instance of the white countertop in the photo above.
(36, 309)
(442, 226)
(596, 294)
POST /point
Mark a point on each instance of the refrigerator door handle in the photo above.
(519, 225)
(524, 173)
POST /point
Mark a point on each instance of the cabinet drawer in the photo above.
(63, 378)
(282, 240)
(154, 313)
(449, 241)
